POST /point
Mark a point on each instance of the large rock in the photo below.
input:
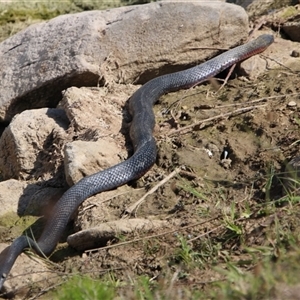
(83, 158)
(97, 118)
(27, 146)
(98, 236)
(26, 199)
(126, 44)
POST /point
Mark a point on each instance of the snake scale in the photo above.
(143, 121)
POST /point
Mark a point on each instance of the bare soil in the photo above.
(258, 126)
(230, 146)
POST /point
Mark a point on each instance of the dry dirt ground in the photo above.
(230, 147)
(219, 208)
(225, 215)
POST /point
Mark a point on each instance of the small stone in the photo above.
(292, 104)
(295, 53)
(226, 163)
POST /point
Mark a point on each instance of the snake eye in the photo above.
(3, 276)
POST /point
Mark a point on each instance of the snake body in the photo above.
(143, 121)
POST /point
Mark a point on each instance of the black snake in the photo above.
(143, 120)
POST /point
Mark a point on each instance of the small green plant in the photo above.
(235, 230)
(85, 288)
(144, 289)
(269, 182)
(187, 187)
(185, 253)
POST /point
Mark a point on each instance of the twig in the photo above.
(221, 116)
(133, 208)
(153, 236)
(206, 233)
(45, 290)
(263, 99)
(214, 229)
(96, 203)
(188, 174)
(171, 286)
(227, 76)
(277, 62)
(261, 22)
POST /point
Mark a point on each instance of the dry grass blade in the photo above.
(154, 235)
(129, 211)
(235, 112)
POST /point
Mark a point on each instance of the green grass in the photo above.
(185, 253)
(85, 288)
(16, 15)
(23, 10)
(267, 279)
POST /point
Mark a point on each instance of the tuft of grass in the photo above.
(144, 288)
(190, 189)
(16, 15)
(185, 253)
(22, 10)
(85, 288)
(268, 184)
(267, 279)
(235, 230)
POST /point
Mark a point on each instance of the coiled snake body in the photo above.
(143, 120)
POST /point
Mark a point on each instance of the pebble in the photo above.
(292, 104)
(295, 53)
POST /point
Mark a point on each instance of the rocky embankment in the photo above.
(64, 88)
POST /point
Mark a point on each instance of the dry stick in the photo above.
(45, 290)
(263, 99)
(256, 100)
(153, 236)
(277, 62)
(170, 288)
(204, 234)
(208, 48)
(221, 116)
(239, 110)
(108, 199)
(227, 76)
(261, 22)
(132, 208)
(214, 229)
